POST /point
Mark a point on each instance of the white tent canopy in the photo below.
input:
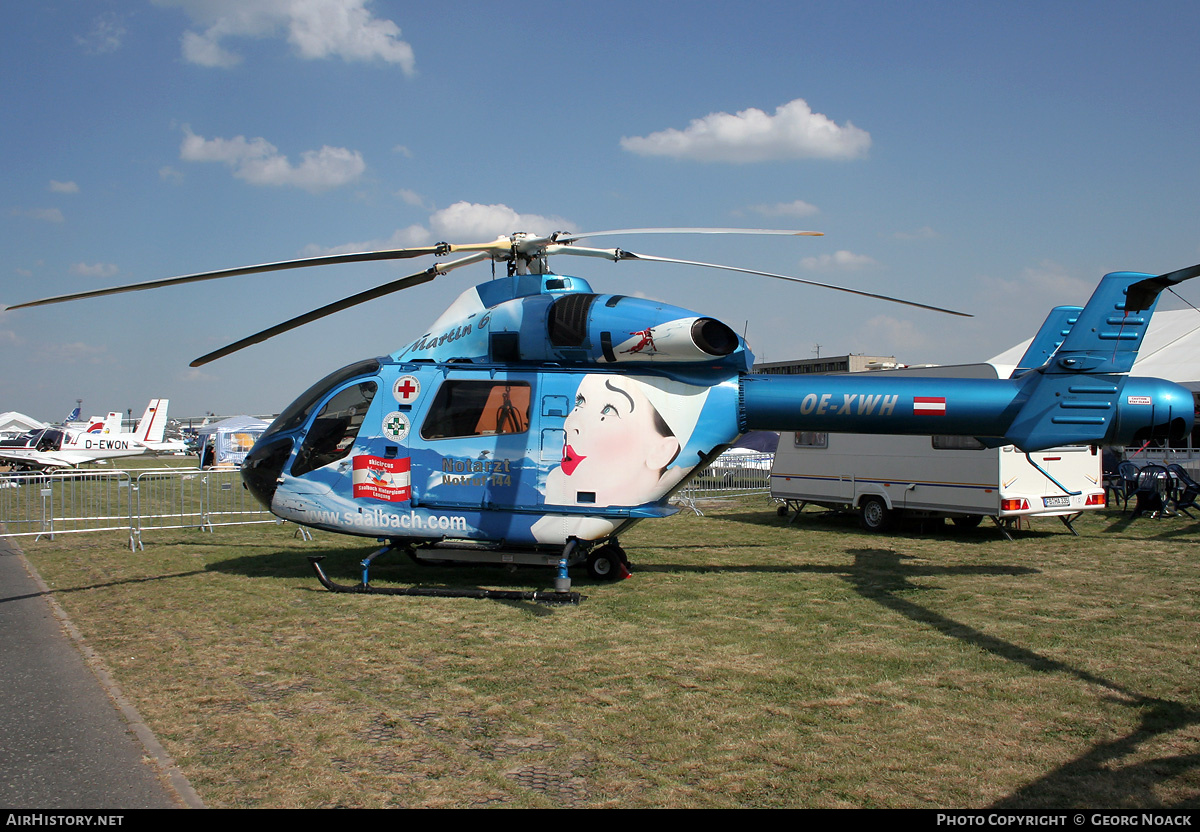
(231, 440)
(13, 423)
(1171, 350)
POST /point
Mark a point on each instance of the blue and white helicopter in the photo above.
(536, 420)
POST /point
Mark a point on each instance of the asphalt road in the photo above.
(68, 738)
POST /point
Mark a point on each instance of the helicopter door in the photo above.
(478, 428)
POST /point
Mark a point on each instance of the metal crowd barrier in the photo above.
(728, 476)
(1189, 458)
(63, 502)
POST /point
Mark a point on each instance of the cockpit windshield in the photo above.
(297, 413)
(46, 439)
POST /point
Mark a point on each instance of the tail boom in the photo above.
(1027, 412)
(1080, 394)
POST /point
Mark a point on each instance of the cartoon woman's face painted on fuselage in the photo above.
(615, 448)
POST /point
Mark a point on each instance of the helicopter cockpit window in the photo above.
(297, 413)
(477, 408)
(335, 428)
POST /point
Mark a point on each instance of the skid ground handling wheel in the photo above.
(607, 562)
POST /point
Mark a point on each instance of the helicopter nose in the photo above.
(263, 465)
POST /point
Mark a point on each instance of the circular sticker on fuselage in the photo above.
(406, 389)
(395, 426)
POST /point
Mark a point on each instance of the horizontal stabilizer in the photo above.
(1049, 338)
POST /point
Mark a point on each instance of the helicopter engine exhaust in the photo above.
(633, 329)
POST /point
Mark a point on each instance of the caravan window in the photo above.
(957, 443)
(811, 439)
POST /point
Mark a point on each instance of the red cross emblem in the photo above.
(406, 389)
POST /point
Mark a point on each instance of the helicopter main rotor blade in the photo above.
(323, 260)
(566, 237)
(617, 254)
(416, 279)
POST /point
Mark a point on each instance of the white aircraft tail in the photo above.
(153, 422)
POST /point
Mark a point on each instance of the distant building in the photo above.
(829, 364)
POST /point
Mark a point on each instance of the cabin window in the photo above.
(957, 443)
(477, 408)
(333, 431)
(811, 439)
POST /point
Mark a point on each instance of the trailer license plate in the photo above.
(1054, 502)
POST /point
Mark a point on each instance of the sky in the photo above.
(995, 158)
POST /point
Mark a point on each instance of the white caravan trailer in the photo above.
(884, 477)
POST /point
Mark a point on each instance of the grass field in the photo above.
(748, 663)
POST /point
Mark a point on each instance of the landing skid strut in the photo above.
(560, 595)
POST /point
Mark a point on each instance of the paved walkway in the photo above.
(68, 738)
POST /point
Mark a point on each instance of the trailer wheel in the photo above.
(968, 521)
(875, 516)
(782, 511)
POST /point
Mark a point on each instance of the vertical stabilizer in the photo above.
(154, 421)
(1081, 394)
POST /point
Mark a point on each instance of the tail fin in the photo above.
(113, 423)
(1081, 394)
(1048, 339)
(153, 422)
(73, 416)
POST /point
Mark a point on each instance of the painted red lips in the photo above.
(570, 460)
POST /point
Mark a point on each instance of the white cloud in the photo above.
(468, 221)
(462, 222)
(94, 269)
(411, 197)
(1037, 287)
(63, 187)
(413, 235)
(207, 52)
(169, 174)
(798, 208)
(44, 214)
(259, 162)
(839, 261)
(886, 335)
(315, 29)
(793, 132)
(195, 374)
(74, 352)
(105, 36)
(922, 233)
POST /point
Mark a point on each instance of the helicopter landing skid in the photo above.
(557, 596)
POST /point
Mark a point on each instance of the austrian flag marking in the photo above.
(929, 405)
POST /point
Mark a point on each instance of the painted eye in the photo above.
(579, 400)
(608, 410)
